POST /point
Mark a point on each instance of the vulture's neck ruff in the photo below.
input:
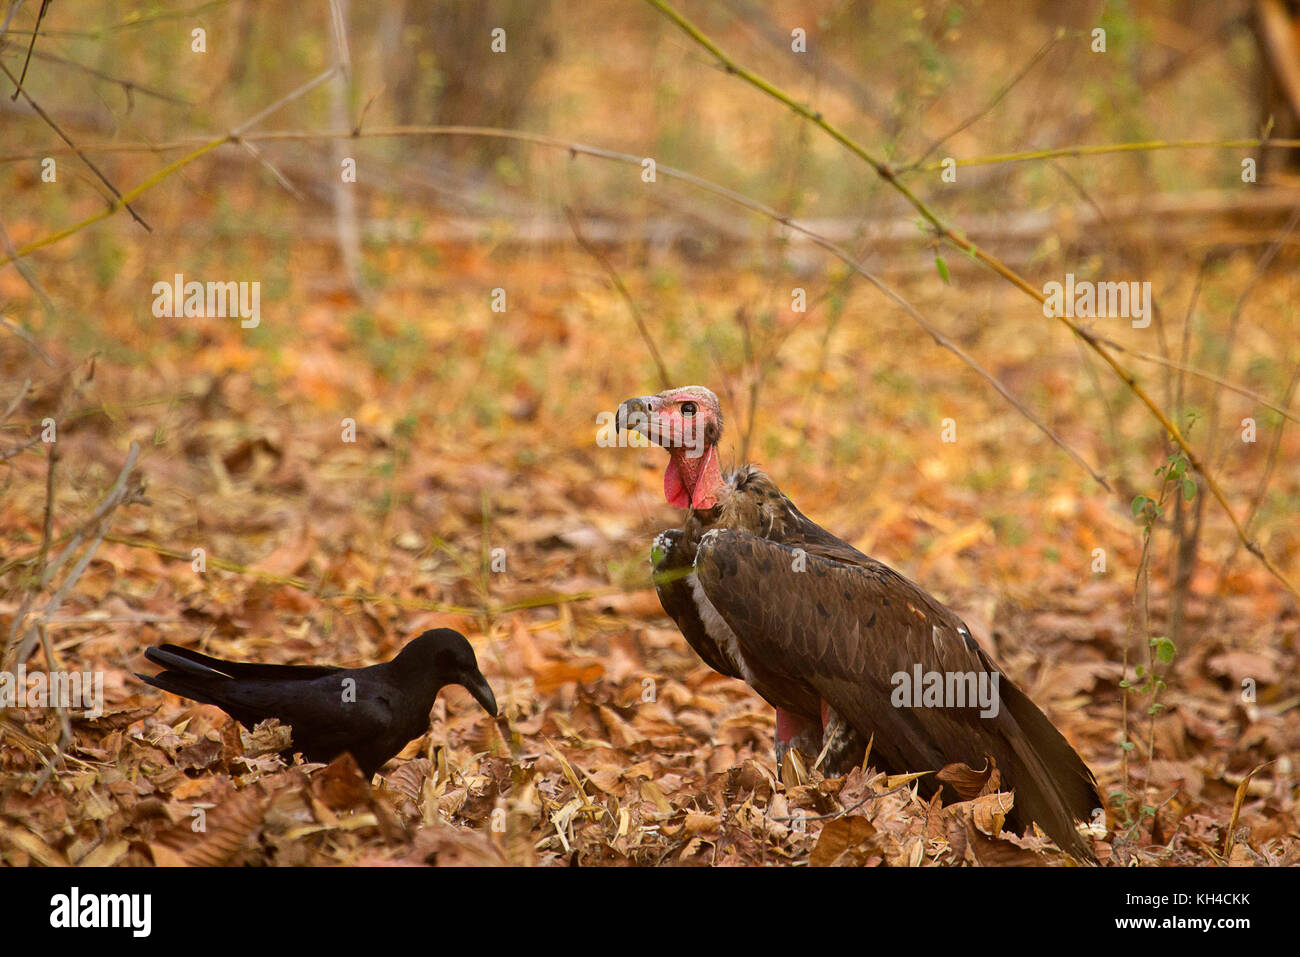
(693, 481)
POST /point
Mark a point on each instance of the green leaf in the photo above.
(1139, 503)
(1164, 649)
(1126, 745)
(942, 266)
(1189, 490)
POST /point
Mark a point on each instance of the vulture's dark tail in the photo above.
(1054, 788)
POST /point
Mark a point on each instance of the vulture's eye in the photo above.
(688, 408)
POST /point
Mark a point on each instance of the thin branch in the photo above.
(13, 8)
(234, 136)
(128, 86)
(118, 204)
(1103, 149)
(18, 400)
(288, 98)
(595, 253)
(64, 136)
(1044, 154)
(29, 277)
(65, 722)
(40, 15)
(132, 22)
(271, 168)
(1207, 376)
(100, 520)
(1045, 49)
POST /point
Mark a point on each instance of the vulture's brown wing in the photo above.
(848, 629)
(671, 567)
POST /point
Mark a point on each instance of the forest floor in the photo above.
(477, 431)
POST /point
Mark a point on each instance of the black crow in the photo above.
(371, 712)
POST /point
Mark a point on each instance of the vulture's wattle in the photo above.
(823, 632)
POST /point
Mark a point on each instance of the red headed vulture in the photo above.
(845, 648)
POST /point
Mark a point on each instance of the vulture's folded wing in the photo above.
(672, 573)
(862, 635)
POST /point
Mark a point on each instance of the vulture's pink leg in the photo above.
(795, 731)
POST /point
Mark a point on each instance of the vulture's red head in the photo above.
(688, 423)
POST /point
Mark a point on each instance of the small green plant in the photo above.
(1148, 681)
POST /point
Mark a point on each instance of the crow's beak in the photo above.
(477, 685)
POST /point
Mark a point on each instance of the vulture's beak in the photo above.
(477, 685)
(634, 415)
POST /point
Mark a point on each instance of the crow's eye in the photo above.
(688, 408)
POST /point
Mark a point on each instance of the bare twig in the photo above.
(1103, 149)
(1207, 376)
(288, 98)
(13, 8)
(36, 581)
(1229, 339)
(64, 136)
(30, 278)
(1045, 49)
(26, 336)
(129, 87)
(133, 22)
(65, 723)
(595, 253)
(1099, 149)
(1257, 498)
(271, 168)
(40, 15)
(19, 649)
(17, 401)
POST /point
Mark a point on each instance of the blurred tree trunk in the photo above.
(345, 203)
(441, 67)
(1276, 24)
